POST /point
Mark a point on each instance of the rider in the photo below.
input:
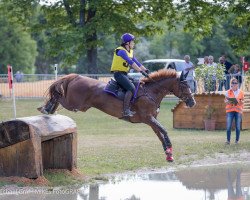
(122, 61)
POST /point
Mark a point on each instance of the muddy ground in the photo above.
(219, 159)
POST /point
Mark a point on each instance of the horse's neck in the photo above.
(161, 88)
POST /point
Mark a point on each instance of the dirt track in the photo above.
(27, 89)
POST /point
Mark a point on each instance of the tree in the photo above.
(79, 27)
(17, 48)
(200, 16)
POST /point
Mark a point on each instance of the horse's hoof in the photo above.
(42, 110)
(169, 153)
(170, 158)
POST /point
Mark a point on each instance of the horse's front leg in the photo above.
(162, 134)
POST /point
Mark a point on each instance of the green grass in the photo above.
(109, 145)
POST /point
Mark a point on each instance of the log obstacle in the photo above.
(29, 145)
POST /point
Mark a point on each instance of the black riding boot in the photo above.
(126, 105)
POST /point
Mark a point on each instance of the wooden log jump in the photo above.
(31, 144)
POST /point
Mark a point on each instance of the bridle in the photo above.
(184, 95)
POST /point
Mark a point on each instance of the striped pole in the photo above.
(56, 71)
(11, 87)
(56, 65)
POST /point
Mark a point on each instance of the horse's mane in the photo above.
(160, 74)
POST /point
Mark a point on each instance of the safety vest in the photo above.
(119, 64)
(238, 107)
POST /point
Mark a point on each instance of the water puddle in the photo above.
(216, 182)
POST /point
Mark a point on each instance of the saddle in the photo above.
(117, 90)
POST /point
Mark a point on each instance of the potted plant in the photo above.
(209, 117)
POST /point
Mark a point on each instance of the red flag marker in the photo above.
(10, 80)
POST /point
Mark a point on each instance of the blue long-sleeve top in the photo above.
(130, 61)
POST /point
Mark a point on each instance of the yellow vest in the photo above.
(119, 64)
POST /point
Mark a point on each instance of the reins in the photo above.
(182, 97)
(149, 96)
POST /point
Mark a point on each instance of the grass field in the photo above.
(109, 145)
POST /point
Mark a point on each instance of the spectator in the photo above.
(189, 68)
(234, 99)
(227, 65)
(235, 72)
(19, 76)
(205, 60)
(222, 82)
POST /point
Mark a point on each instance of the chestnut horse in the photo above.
(79, 93)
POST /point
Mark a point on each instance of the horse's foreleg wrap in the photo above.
(161, 133)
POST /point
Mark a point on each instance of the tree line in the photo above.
(81, 35)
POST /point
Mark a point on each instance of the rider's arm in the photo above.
(138, 63)
(130, 61)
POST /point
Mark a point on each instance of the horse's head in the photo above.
(182, 91)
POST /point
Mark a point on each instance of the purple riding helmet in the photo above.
(127, 37)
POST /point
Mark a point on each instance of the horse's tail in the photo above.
(58, 89)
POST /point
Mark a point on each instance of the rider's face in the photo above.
(132, 44)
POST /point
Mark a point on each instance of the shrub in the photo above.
(209, 74)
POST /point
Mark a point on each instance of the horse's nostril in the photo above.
(190, 103)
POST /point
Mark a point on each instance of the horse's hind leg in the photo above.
(163, 136)
(67, 105)
(50, 107)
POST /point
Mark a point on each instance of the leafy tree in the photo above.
(17, 48)
(241, 20)
(200, 16)
(78, 28)
(44, 61)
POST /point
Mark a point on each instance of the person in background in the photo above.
(205, 60)
(234, 99)
(123, 59)
(19, 76)
(227, 65)
(189, 68)
(222, 82)
(235, 71)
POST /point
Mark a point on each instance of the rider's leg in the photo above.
(126, 105)
(123, 80)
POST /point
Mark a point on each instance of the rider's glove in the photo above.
(147, 71)
(144, 74)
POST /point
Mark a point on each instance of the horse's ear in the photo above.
(185, 76)
(182, 76)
